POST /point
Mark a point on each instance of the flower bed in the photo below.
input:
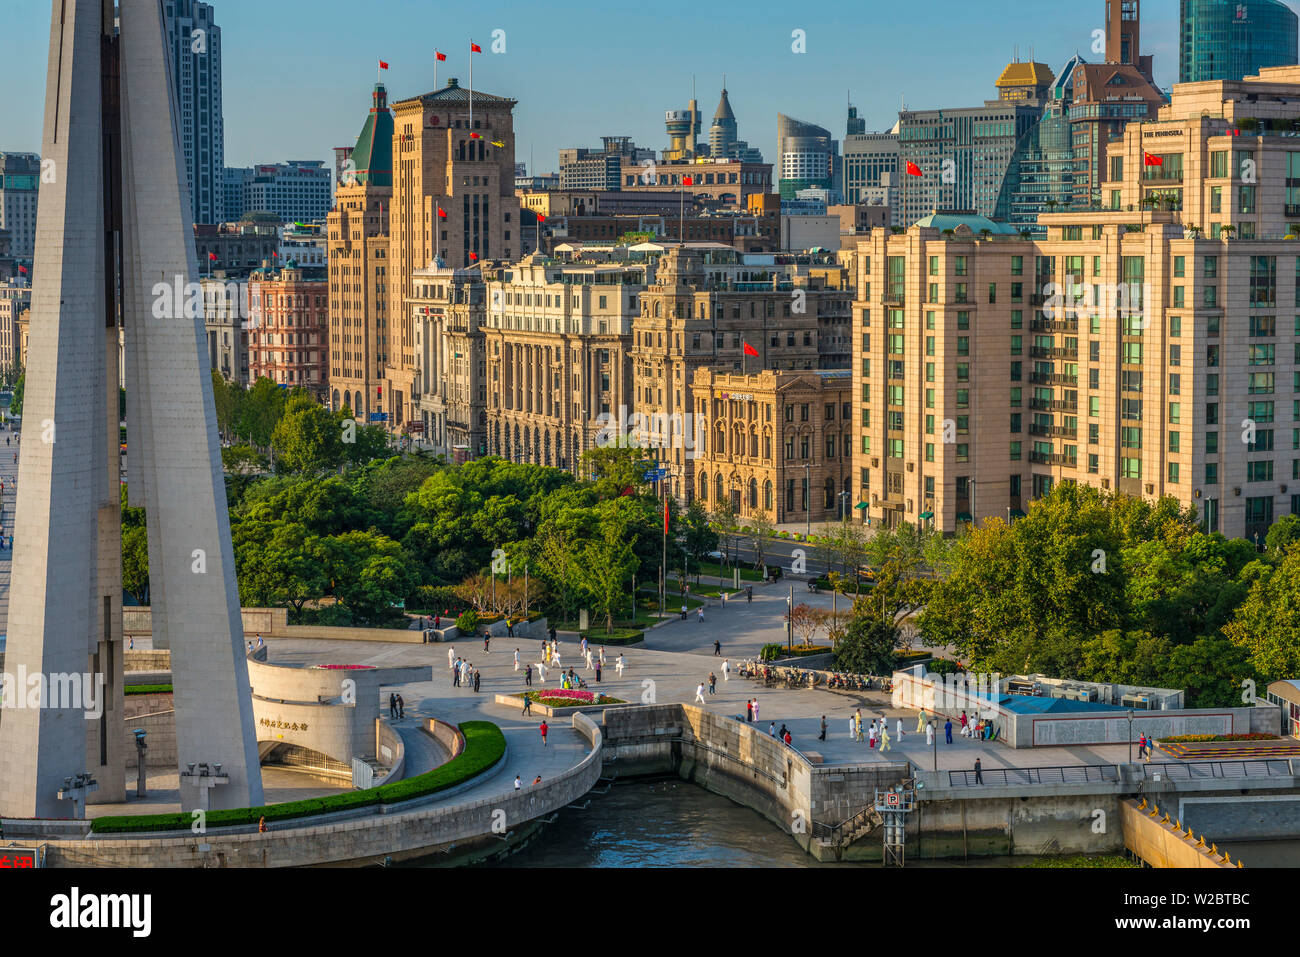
(1206, 738)
(570, 698)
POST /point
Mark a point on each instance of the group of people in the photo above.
(463, 674)
(396, 706)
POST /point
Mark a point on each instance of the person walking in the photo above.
(518, 783)
(789, 742)
(726, 670)
(401, 706)
(749, 594)
(899, 729)
(683, 611)
(451, 656)
(871, 734)
(771, 729)
(455, 674)
(713, 683)
(544, 729)
(620, 665)
(920, 721)
(555, 656)
(947, 731)
(589, 658)
(859, 713)
(822, 736)
(541, 671)
(510, 628)
(516, 659)
(598, 667)
(701, 614)
(602, 655)
(929, 734)
(979, 772)
(261, 824)
(717, 648)
(476, 679)
(528, 676)
(528, 705)
(392, 706)
(963, 722)
(551, 633)
(749, 710)
(699, 693)
(755, 708)
(853, 727)
(487, 637)
(884, 737)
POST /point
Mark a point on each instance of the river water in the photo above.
(672, 823)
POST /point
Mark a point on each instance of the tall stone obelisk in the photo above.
(114, 244)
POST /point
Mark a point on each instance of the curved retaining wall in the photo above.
(386, 737)
(389, 833)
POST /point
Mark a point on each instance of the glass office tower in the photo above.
(1230, 39)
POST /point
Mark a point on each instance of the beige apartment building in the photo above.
(1145, 348)
(15, 299)
(448, 413)
(779, 444)
(453, 203)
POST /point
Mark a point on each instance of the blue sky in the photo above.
(298, 73)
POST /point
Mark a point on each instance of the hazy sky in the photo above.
(298, 73)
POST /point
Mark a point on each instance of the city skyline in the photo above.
(949, 68)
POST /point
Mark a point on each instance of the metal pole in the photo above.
(789, 620)
(936, 747)
(1130, 735)
(807, 498)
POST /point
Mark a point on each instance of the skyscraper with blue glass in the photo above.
(1231, 39)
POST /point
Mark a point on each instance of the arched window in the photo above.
(830, 492)
(753, 493)
(753, 444)
(704, 486)
(722, 492)
(334, 402)
(767, 496)
(719, 444)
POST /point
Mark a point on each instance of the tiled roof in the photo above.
(453, 94)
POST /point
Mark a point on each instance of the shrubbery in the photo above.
(467, 622)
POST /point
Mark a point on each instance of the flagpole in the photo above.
(471, 85)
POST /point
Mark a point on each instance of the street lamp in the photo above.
(935, 739)
(807, 498)
(1130, 735)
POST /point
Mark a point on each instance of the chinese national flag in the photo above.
(913, 169)
(212, 256)
(665, 516)
(474, 47)
(473, 257)
(475, 136)
(688, 181)
(442, 213)
(750, 350)
(383, 65)
(440, 56)
(1150, 160)
(541, 218)
(22, 269)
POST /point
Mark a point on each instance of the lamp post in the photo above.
(1130, 735)
(807, 498)
(935, 739)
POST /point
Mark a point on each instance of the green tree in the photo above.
(16, 403)
(135, 562)
(279, 564)
(1267, 625)
(1210, 670)
(242, 458)
(260, 410)
(226, 397)
(607, 565)
(368, 574)
(698, 537)
(1284, 533)
(867, 646)
(308, 438)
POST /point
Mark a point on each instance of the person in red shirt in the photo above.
(787, 737)
(544, 729)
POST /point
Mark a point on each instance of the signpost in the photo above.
(22, 858)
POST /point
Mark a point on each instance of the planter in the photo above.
(546, 711)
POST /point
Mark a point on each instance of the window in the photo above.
(1180, 266)
(1131, 468)
(1015, 451)
(1261, 471)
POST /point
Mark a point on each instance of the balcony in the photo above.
(1042, 378)
(1056, 458)
(1054, 325)
(1292, 211)
(1053, 431)
(1054, 405)
(1039, 352)
(1158, 174)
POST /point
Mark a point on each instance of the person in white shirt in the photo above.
(699, 693)
(929, 734)
(726, 670)
(451, 657)
(853, 727)
(516, 659)
(620, 666)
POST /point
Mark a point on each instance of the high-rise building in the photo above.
(871, 170)
(361, 298)
(20, 181)
(582, 168)
(1232, 39)
(724, 142)
(453, 203)
(1136, 348)
(807, 155)
(296, 192)
(195, 43)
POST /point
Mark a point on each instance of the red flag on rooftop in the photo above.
(750, 350)
(440, 56)
(442, 213)
(383, 65)
(212, 256)
(913, 169)
(474, 47)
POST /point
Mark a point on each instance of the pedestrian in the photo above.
(781, 734)
(683, 611)
(528, 676)
(699, 693)
(543, 729)
(859, 713)
(598, 665)
(588, 656)
(713, 683)
(536, 781)
(451, 657)
(871, 734)
(584, 644)
(516, 659)
(726, 670)
(979, 773)
(261, 824)
(749, 710)
(518, 783)
(771, 729)
(621, 665)
(602, 654)
(401, 706)
(510, 628)
(437, 622)
(250, 646)
(789, 742)
(963, 722)
(260, 642)
(487, 636)
(920, 721)
(853, 727)
(947, 731)
(884, 737)
(476, 679)
(929, 734)
(541, 672)
(755, 709)
(392, 706)
(555, 656)
(551, 633)
(528, 704)
(130, 645)
(717, 648)
(822, 736)
(701, 614)
(899, 729)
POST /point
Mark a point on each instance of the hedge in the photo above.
(147, 689)
(803, 651)
(619, 636)
(1200, 738)
(484, 746)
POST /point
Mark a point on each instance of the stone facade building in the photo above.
(288, 322)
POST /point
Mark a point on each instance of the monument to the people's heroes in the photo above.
(113, 230)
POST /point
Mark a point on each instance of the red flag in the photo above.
(22, 269)
(750, 350)
(442, 213)
(212, 256)
(474, 47)
(473, 257)
(475, 136)
(541, 218)
(383, 65)
(913, 169)
(665, 515)
(687, 181)
(440, 56)
(1150, 160)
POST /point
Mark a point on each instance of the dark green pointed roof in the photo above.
(454, 93)
(373, 156)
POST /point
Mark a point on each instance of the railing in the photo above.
(1198, 770)
(1065, 774)
(834, 833)
(1054, 325)
(1054, 405)
(1053, 431)
(1042, 458)
(1042, 352)
(1292, 210)
(1054, 378)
